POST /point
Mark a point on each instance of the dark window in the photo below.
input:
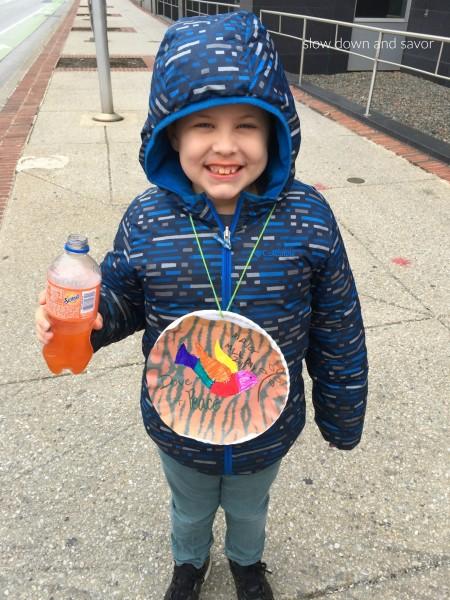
(380, 9)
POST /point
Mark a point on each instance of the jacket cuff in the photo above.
(340, 445)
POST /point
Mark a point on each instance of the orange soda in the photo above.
(72, 296)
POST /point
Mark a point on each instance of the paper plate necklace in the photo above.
(216, 376)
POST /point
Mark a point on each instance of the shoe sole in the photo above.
(208, 570)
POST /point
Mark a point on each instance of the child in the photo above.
(220, 144)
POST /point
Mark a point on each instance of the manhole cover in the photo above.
(90, 62)
(356, 180)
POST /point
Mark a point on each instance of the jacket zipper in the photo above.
(226, 295)
(225, 242)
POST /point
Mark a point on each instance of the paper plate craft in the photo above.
(217, 378)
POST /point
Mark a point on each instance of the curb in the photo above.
(419, 159)
(19, 113)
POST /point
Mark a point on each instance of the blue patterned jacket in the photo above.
(299, 286)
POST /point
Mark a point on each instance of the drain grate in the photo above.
(122, 29)
(107, 14)
(142, 63)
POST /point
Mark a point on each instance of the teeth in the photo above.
(223, 170)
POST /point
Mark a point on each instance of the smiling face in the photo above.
(223, 150)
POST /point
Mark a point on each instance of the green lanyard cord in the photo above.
(246, 265)
(206, 266)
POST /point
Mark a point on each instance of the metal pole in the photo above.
(90, 17)
(374, 73)
(103, 67)
(302, 55)
(439, 59)
(180, 9)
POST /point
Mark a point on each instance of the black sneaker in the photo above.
(187, 581)
(251, 582)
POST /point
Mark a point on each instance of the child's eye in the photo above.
(203, 124)
(247, 126)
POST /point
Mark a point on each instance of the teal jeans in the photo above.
(195, 500)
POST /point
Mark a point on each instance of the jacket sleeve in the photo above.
(121, 294)
(337, 358)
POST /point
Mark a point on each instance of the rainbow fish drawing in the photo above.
(221, 374)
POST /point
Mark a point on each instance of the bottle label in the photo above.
(71, 304)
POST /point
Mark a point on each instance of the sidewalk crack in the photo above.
(62, 187)
(403, 322)
(97, 372)
(57, 185)
(385, 269)
(443, 323)
(394, 304)
(435, 563)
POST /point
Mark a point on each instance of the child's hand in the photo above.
(98, 323)
(43, 328)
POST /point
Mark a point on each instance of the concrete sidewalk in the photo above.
(84, 505)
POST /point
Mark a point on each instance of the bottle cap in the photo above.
(77, 243)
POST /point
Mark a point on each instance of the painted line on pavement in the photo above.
(15, 34)
(36, 12)
(4, 50)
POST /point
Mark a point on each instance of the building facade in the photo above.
(421, 16)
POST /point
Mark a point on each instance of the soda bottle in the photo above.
(72, 296)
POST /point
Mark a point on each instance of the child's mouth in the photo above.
(223, 171)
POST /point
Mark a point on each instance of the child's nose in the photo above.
(224, 143)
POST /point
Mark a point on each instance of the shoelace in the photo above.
(252, 575)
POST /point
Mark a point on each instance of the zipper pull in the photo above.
(225, 242)
(226, 237)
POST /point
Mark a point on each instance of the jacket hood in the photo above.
(205, 62)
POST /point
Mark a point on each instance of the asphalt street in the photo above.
(20, 18)
(15, 12)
